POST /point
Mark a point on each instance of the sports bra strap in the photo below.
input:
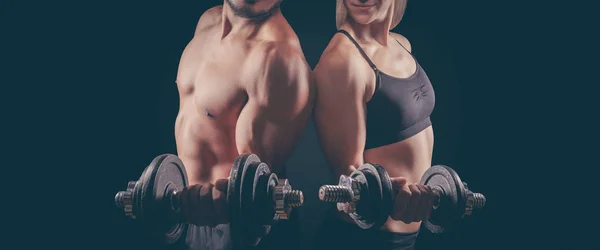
(362, 52)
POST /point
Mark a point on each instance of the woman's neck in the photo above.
(376, 31)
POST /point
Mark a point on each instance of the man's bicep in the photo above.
(285, 89)
(261, 132)
(251, 134)
(339, 117)
(277, 110)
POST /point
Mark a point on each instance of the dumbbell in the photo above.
(256, 198)
(366, 195)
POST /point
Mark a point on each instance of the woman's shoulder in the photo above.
(402, 40)
(341, 63)
(339, 54)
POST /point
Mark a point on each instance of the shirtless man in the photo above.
(244, 87)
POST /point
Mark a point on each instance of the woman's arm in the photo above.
(340, 112)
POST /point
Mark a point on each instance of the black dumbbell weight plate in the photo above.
(234, 195)
(452, 202)
(163, 175)
(387, 195)
(249, 208)
(371, 200)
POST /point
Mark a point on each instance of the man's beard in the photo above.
(245, 12)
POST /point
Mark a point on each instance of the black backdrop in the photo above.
(96, 101)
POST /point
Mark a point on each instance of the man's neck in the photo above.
(246, 27)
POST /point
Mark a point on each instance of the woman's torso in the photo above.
(400, 99)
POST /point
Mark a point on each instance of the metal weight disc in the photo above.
(264, 204)
(249, 209)
(264, 189)
(360, 178)
(387, 195)
(234, 188)
(452, 202)
(370, 206)
(163, 175)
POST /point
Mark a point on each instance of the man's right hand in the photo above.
(205, 204)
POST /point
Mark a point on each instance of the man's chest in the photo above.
(214, 79)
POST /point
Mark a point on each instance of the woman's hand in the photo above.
(413, 202)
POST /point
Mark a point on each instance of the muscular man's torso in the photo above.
(213, 78)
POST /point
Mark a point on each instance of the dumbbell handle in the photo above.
(477, 202)
(437, 192)
(175, 199)
(344, 194)
(283, 198)
(338, 193)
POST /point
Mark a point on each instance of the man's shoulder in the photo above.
(279, 54)
(277, 32)
(277, 64)
(209, 18)
(282, 49)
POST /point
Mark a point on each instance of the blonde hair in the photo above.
(341, 13)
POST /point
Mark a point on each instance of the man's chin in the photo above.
(245, 12)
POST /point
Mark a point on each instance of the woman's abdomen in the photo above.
(409, 158)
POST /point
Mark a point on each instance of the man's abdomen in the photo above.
(206, 147)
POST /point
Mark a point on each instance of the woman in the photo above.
(373, 106)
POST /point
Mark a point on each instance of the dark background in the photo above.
(91, 100)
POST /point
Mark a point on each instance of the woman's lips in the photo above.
(363, 7)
